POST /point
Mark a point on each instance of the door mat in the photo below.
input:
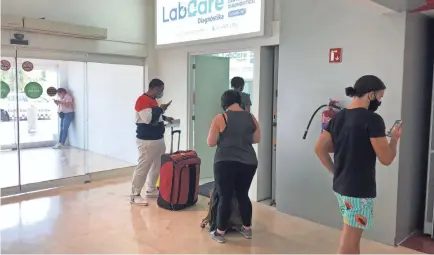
(205, 189)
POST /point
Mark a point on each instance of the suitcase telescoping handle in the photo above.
(179, 139)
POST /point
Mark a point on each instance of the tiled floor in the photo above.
(419, 242)
(45, 131)
(43, 164)
(97, 218)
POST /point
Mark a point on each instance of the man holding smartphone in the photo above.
(357, 137)
(150, 141)
(66, 115)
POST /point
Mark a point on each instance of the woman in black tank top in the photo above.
(234, 133)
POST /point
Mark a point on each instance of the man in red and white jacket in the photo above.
(150, 141)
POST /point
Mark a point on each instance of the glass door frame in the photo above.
(21, 188)
(16, 130)
(28, 53)
(21, 116)
(52, 112)
(10, 107)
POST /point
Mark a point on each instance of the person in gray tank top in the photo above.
(233, 132)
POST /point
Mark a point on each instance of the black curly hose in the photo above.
(311, 118)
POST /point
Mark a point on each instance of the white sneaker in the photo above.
(57, 146)
(138, 200)
(153, 193)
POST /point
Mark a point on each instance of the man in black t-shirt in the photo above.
(357, 136)
(237, 83)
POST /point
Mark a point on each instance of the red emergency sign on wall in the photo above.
(335, 55)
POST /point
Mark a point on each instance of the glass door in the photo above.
(38, 81)
(43, 165)
(9, 128)
(38, 112)
(30, 124)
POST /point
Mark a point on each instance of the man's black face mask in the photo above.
(374, 104)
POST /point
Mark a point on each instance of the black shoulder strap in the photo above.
(224, 118)
(253, 120)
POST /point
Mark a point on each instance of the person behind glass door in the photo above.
(150, 142)
(237, 83)
(66, 114)
(357, 136)
(233, 132)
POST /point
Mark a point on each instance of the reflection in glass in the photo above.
(40, 129)
(36, 210)
(29, 212)
(11, 212)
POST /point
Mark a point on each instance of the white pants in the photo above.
(148, 167)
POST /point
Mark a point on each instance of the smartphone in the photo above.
(397, 123)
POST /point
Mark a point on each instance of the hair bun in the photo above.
(350, 91)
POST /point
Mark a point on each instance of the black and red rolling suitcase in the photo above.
(179, 178)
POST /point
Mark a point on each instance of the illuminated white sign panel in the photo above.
(185, 21)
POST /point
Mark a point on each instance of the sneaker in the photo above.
(57, 146)
(247, 233)
(153, 193)
(218, 237)
(138, 200)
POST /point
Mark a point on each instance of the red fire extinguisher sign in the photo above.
(335, 55)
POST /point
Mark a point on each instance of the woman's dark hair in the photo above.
(61, 90)
(365, 84)
(229, 98)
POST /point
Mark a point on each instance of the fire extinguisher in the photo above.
(327, 115)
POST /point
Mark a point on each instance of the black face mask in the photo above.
(374, 104)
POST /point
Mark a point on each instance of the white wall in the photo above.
(129, 23)
(172, 68)
(373, 43)
(104, 95)
(112, 93)
(125, 20)
(76, 82)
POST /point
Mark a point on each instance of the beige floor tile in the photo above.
(44, 164)
(97, 218)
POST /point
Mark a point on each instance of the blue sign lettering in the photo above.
(192, 9)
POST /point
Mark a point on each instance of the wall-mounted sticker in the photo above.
(335, 55)
(5, 65)
(27, 66)
(4, 90)
(51, 91)
(33, 90)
